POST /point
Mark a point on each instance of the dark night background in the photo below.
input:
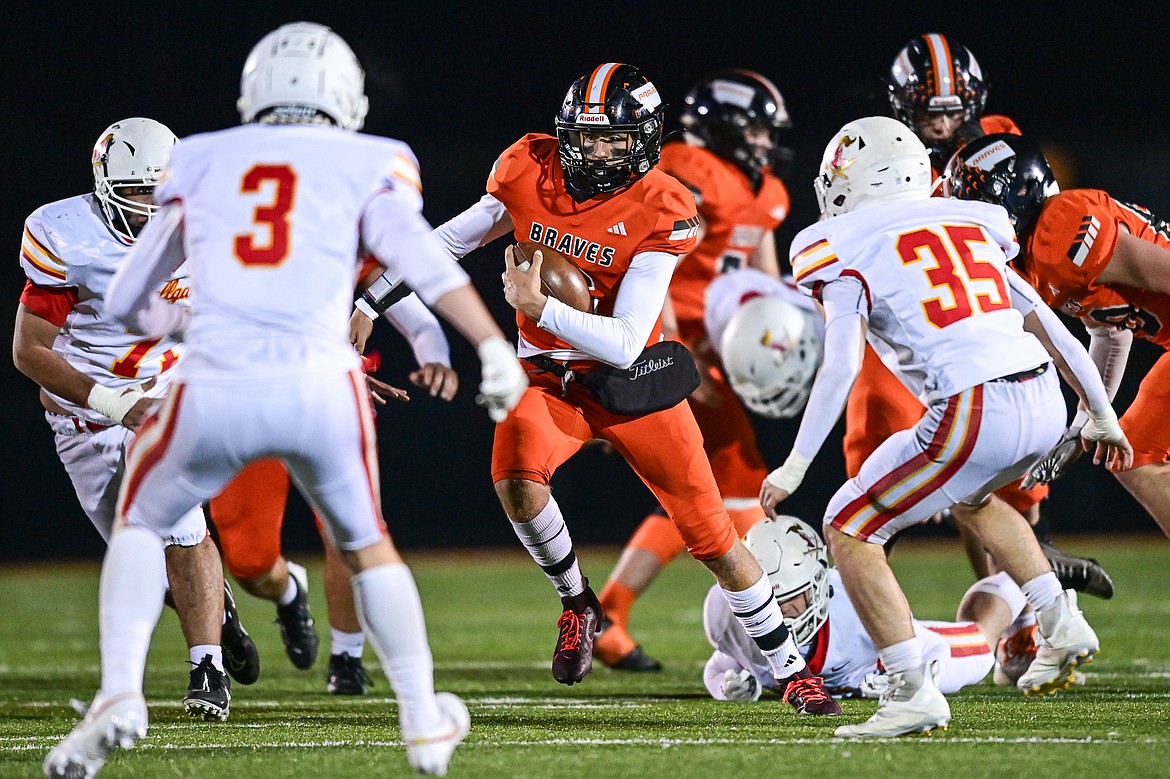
(459, 82)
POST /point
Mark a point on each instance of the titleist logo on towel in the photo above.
(649, 366)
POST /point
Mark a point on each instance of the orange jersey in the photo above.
(1072, 243)
(654, 214)
(736, 220)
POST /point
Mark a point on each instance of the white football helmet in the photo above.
(130, 154)
(771, 350)
(797, 562)
(300, 70)
(872, 159)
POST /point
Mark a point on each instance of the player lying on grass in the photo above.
(832, 639)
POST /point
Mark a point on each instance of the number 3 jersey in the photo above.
(933, 271)
(69, 256)
(271, 225)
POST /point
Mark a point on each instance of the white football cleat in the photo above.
(911, 703)
(114, 723)
(1064, 641)
(430, 752)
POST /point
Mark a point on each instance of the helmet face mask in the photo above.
(303, 73)
(771, 351)
(932, 74)
(739, 116)
(609, 130)
(128, 161)
(796, 562)
(869, 160)
(1005, 170)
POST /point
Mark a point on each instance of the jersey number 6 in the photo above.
(273, 217)
(916, 245)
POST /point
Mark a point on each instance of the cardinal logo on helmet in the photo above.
(839, 163)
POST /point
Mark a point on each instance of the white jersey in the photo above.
(271, 224)
(727, 291)
(68, 245)
(841, 652)
(940, 310)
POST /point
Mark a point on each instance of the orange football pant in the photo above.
(249, 516)
(665, 449)
(1145, 421)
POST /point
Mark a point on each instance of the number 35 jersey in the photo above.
(271, 220)
(940, 314)
(68, 253)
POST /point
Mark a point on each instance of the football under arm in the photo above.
(617, 339)
(846, 317)
(155, 255)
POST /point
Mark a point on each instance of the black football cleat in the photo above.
(347, 676)
(210, 693)
(614, 647)
(579, 623)
(296, 623)
(1082, 574)
(241, 659)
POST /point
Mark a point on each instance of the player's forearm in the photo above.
(465, 311)
(53, 373)
(617, 339)
(415, 322)
(482, 223)
(844, 344)
(1070, 357)
(1109, 350)
(156, 254)
(401, 239)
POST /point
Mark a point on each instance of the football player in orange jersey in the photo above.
(733, 120)
(937, 87)
(593, 193)
(1103, 261)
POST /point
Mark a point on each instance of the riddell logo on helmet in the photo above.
(592, 119)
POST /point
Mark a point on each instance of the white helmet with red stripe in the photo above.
(872, 159)
(303, 73)
(796, 562)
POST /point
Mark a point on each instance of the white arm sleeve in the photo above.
(155, 255)
(462, 234)
(619, 339)
(398, 235)
(1109, 351)
(846, 312)
(421, 330)
(1027, 301)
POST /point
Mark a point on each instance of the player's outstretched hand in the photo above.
(1112, 447)
(437, 379)
(1054, 464)
(503, 381)
(380, 391)
(782, 482)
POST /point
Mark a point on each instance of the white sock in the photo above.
(290, 592)
(391, 614)
(902, 656)
(199, 651)
(1042, 591)
(757, 611)
(343, 643)
(130, 600)
(546, 537)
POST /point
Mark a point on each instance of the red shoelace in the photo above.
(570, 624)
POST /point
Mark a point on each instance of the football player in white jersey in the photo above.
(271, 216)
(925, 281)
(829, 631)
(97, 381)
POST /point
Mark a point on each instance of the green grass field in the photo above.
(491, 618)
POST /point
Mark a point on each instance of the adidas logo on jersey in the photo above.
(618, 229)
(1086, 234)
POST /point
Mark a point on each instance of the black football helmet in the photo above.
(721, 106)
(935, 75)
(612, 99)
(1004, 169)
